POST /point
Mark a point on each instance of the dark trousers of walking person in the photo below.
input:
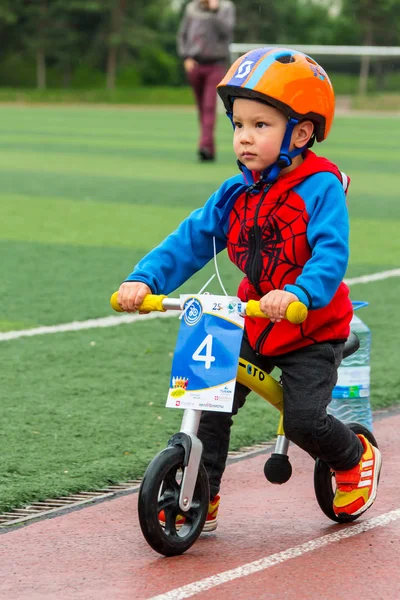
(305, 420)
(204, 79)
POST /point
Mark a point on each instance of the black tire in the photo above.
(160, 490)
(324, 480)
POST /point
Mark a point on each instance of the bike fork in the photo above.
(187, 437)
(282, 443)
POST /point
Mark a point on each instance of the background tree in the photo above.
(115, 38)
(288, 22)
(117, 43)
(9, 15)
(36, 33)
(372, 23)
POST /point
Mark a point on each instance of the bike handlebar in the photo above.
(296, 312)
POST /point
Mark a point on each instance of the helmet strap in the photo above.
(286, 156)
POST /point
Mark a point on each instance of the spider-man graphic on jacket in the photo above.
(278, 236)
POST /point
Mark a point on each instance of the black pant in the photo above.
(308, 378)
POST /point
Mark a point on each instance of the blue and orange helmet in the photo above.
(288, 80)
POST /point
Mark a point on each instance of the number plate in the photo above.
(205, 362)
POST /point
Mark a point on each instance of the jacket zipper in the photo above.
(254, 272)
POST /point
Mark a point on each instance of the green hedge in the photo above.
(157, 96)
(136, 95)
(378, 102)
(152, 66)
(129, 93)
(348, 84)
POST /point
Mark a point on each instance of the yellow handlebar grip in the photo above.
(296, 312)
(150, 303)
(153, 303)
(253, 309)
(114, 303)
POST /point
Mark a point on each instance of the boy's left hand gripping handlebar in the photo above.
(296, 312)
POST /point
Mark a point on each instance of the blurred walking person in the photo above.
(204, 35)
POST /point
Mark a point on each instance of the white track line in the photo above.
(122, 319)
(373, 277)
(79, 325)
(202, 585)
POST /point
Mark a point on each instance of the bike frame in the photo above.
(158, 492)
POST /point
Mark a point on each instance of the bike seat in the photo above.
(352, 345)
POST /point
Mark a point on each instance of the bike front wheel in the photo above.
(159, 491)
(324, 480)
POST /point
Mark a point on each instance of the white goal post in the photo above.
(364, 53)
(313, 50)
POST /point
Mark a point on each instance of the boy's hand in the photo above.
(275, 303)
(131, 295)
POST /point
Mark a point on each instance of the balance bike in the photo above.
(176, 481)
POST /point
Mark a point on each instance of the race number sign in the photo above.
(206, 356)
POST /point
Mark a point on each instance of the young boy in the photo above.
(284, 222)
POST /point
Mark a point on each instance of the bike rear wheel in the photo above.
(324, 480)
(159, 491)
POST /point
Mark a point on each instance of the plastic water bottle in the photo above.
(350, 398)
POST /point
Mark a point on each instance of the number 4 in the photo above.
(207, 358)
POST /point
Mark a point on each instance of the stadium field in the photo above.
(84, 194)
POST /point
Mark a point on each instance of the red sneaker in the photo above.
(211, 520)
(357, 487)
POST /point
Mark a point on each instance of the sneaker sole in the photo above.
(210, 526)
(378, 466)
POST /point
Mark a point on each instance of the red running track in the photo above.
(98, 552)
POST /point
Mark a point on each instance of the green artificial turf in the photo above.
(85, 193)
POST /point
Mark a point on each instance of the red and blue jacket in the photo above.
(290, 235)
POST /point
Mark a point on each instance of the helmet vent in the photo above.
(285, 59)
(310, 60)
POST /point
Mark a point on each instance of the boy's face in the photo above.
(259, 131)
